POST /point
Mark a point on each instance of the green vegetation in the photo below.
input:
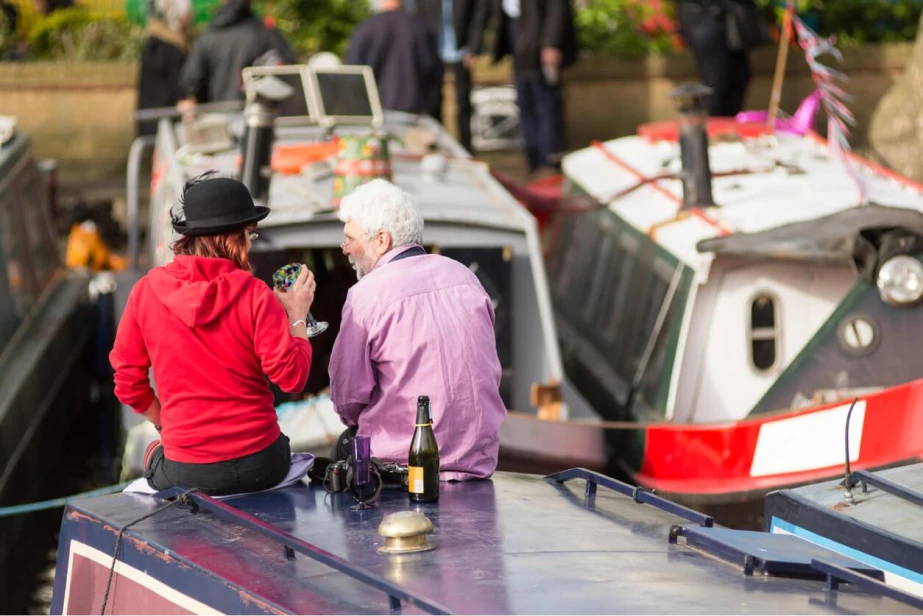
(620, 28)
(76, 34)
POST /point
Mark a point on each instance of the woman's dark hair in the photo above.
(231, 245)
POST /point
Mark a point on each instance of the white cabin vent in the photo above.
(764, 335)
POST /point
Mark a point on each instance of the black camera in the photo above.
(337, 476)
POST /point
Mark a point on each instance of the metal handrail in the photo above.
(836, 574)
(138, 148)
(886, 485)
(292, 544)
(638, 494)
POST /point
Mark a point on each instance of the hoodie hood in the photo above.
(198, 290)
(231, 13)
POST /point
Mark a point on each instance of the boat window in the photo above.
(651, 399)
(562, 257)
(763, 332)
(585, 248)
(647, 312)
(619, 284)
(37, 221)
(16, 266)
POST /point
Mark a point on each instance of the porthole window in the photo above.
(763, 335)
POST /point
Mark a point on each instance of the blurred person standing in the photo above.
(234, 40)
(163, 53)
(404, 55)
(720, 34)
(453, 20)
(541, 37)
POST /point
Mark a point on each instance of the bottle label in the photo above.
(415, 479)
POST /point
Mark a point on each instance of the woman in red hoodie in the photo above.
(211, 331)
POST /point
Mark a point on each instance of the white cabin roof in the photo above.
(788, 179)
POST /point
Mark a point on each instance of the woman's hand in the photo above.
(299, 297)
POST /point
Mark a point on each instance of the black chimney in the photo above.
(693, 143)
(263, 99)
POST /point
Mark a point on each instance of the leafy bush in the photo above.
(316, 25)
(870, 21)
(624, 28)
(76, 34)
(855, 22)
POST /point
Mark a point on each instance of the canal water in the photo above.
(84, 463)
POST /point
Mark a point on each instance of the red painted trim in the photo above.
(873, 166)
(668, 130)
(716, 459)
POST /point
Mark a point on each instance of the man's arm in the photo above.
(481, 18)
(194, 75)
(554, 24)
(352, 376)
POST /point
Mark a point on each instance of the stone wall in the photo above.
(607, 98)
(81, 114)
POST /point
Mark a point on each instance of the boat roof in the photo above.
(465, 194)
(759, 184)
(514, 544)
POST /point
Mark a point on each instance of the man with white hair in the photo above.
(415, 324)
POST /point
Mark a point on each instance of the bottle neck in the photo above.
(423, 416)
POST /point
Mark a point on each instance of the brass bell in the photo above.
(405, 532)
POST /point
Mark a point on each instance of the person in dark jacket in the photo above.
(162, 55)
(726, 72)
(404, 55)
(540, 36)
(234, 40)
(453, 21)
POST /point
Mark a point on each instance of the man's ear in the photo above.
(384, 243)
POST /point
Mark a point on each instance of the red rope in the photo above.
(653, 183)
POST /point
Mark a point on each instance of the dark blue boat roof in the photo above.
(514, 544)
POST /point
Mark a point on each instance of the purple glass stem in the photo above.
(362, 454)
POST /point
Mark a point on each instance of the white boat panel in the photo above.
(728, 385)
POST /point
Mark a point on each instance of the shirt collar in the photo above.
(388, 256)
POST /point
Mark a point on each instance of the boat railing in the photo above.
(886, 485)
(135, 154)
(637, 493)
(292, 544)
(836, 574)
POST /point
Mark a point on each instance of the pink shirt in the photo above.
(422, 325)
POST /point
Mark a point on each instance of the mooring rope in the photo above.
(60, 502)
(180, 499)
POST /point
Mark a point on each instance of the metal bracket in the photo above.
(639, 495)
(836, 574)
(291, 544)
(886, 485)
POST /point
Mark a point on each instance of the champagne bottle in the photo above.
(423, 459)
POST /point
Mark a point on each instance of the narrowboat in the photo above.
(723, 291)
(51, 330)
(572, 543)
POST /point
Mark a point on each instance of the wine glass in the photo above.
(315, 327)
(362, 478)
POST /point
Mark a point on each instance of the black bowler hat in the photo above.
(217, 205)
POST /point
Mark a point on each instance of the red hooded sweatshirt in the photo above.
(211, 331)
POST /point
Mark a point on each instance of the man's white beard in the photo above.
(357, 267)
